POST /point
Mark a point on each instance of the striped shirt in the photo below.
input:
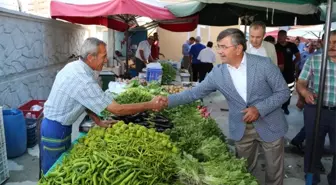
(311, 72)
(74, 90)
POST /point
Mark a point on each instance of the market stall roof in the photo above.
(228, 12)
(118, 14)
(310, 32)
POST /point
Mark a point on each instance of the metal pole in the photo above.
(311, 167)
(245, 29)
(127, 38)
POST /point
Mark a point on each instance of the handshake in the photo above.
(158, 103)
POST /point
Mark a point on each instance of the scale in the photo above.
(86, 124)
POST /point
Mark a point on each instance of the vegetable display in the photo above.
(168, 72)
(172, 89)
(191, 150)
(124, 154)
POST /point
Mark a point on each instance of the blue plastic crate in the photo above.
(154, 75)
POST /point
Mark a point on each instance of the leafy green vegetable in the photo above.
(134, 95)
(168, 73)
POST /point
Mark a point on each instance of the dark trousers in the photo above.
(196, 69)
(139, 65)
(206, 68)
(327, 126)
(291, 87)
(300, 137)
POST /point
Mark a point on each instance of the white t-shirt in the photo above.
(145, 47)
(260, 51)
(207, 55)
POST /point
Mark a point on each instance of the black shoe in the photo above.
(298, 146)
(286, 111)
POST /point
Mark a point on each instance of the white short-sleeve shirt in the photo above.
(145, 47)
(207, 56)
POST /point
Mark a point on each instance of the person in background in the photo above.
(308, 87)
(270, 39)
(255, 90)
(319, 46)
(127, 37)
(257, 46)
(143, 54)
(207, 56)
(280, 56)
(305, 55)
(300, 45)
(185, 52)
(74, 91)
(196, 64)
(288, 50)
(155, 49)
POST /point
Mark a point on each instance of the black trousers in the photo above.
(206, 68)
(291, 86)
(327, 126)
(139, 65)
(196, 68)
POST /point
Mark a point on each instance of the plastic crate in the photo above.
(154, 75)
(33, 124)
(26, 107)
(4, 172)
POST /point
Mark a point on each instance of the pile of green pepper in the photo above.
(121, 155)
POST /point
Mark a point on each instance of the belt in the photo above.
(329, 108)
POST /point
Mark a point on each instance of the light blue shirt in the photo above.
(304, 57)
(185, 49)
(74, 90)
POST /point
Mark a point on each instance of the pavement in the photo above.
(24, 169)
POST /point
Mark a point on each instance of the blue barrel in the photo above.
(15, 132)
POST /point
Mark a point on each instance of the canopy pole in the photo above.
(245, 29)
(311, 167)
(127, 38)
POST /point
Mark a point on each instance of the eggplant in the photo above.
(144, 114)
(160, 117)
(159, 129)
(138, 120)
(167, 125)
(162, 121)
(144, 123)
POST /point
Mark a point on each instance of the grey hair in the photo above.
(90, 46)
(258, 24)
(237, 36)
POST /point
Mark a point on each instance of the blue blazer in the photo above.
(267, 90)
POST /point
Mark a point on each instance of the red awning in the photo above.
(115, 14)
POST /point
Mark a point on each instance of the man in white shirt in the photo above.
(255, 90)
(257, 46)
(207, 57)
(143, 54)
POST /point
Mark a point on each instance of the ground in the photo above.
(24, 169)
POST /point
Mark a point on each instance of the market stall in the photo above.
(180, 145)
